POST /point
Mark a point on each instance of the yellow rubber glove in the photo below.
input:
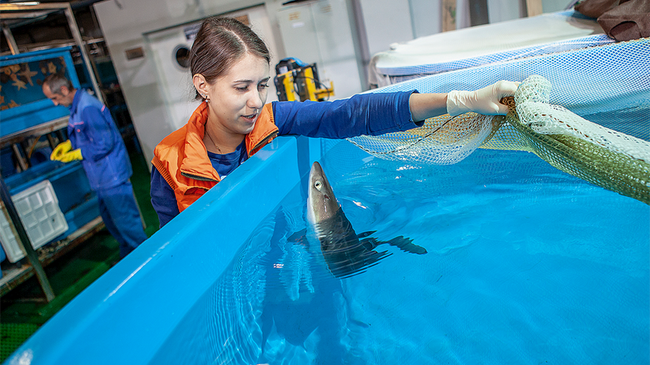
(60, 150)
(72, 156)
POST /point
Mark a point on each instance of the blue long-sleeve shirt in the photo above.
(91, 128)
(363, 114)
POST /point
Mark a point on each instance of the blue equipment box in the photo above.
(22, 103)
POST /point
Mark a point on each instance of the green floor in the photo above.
(24, 309)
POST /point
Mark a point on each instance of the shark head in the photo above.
(322, 203)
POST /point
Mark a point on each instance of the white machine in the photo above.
(319, 32)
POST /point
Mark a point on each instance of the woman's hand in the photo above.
(483, 101)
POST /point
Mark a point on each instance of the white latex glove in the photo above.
(483, 101)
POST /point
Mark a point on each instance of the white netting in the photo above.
(607, 83)
(443, 140)
(533, 109)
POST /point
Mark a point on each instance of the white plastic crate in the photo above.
(42, 218)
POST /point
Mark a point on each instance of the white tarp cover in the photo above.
(547, 33)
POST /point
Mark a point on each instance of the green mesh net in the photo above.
(607, 158)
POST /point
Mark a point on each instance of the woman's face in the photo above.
(237, 97)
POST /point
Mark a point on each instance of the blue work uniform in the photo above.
(108, 168)
(363, 114)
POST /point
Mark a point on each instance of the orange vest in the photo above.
(182, 159)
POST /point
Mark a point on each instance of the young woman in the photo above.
(230, 65)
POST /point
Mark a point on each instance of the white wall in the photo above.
(425, 15)
(551, 6)
(386, 21)
(502, 10)
(398, 21)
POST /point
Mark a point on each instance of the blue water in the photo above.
(525, 265)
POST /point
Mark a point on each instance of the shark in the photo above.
(346, 253)
(320, 308)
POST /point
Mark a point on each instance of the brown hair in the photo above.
(56, 81)
(219, 43)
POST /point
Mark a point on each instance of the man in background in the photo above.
(95, 140)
